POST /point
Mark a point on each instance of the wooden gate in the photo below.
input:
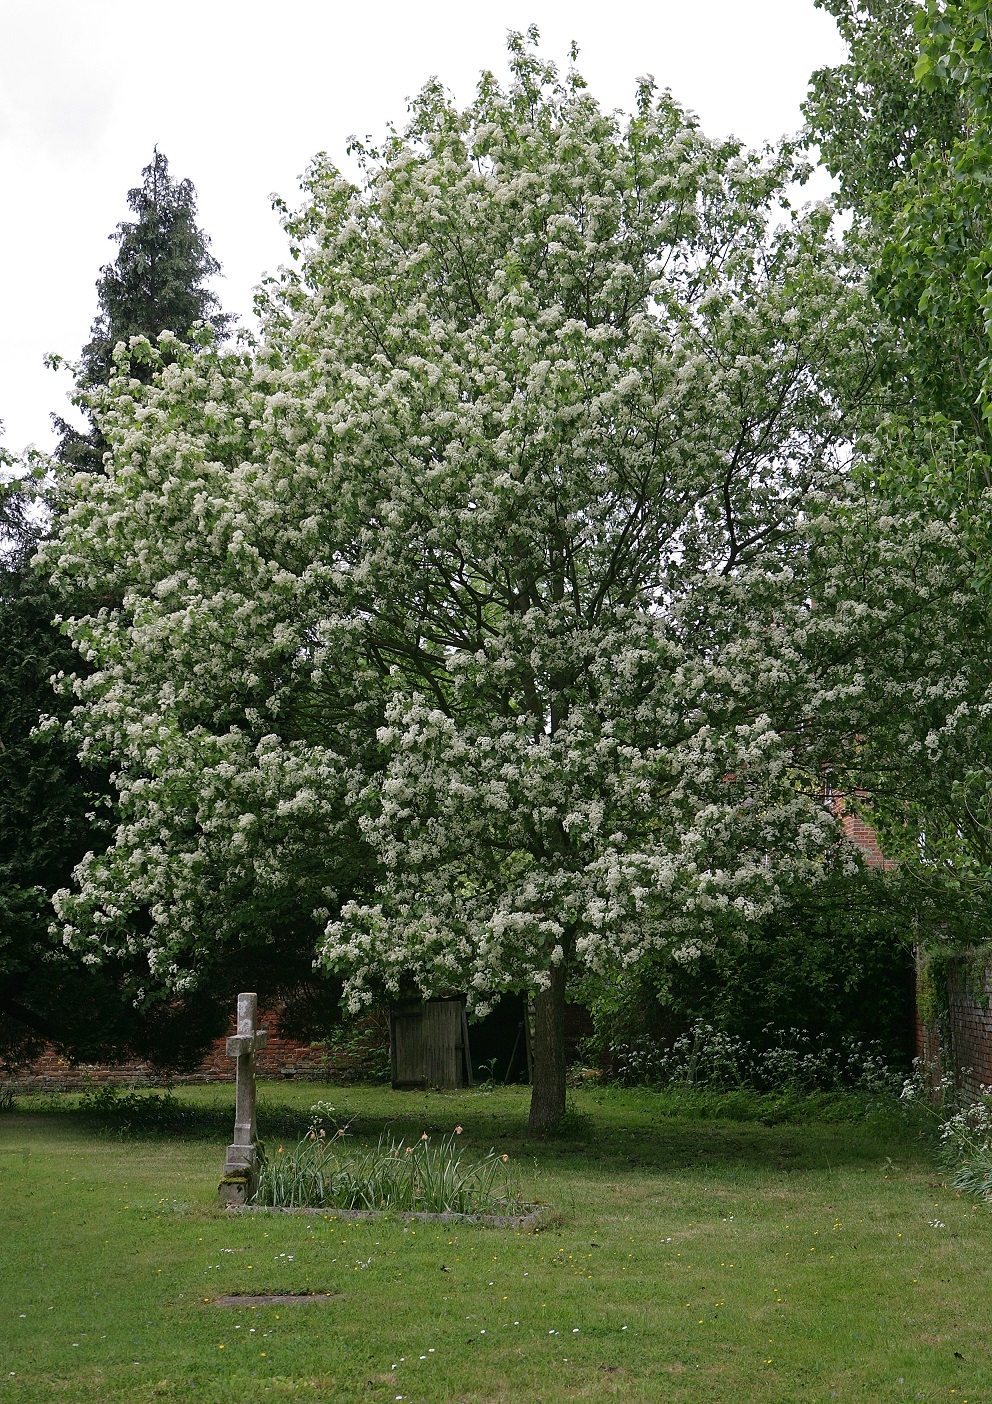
(428, 1044)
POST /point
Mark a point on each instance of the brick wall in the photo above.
(969, 1001)
(864, 836)
(282, 1057)
(964, 1050)
(929, 1049)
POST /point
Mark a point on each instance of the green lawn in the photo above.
(698, 1258)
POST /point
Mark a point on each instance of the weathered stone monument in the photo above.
(240, 1177)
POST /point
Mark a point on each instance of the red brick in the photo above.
(282, 1057)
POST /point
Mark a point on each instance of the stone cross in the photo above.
(241, 1167)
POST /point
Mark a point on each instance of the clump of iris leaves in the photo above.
(432, 1175)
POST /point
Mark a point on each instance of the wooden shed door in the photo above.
(428, 1044)
(406, 1028)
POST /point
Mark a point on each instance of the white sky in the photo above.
(240, 95)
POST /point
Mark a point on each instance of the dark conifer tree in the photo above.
(157, 283)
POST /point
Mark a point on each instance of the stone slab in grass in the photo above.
(254, 1299)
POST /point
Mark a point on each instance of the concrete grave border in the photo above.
(533, 1221)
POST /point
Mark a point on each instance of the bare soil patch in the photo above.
(274, 1299)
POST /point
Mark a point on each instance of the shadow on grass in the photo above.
(610, 1131)
(685, 1142)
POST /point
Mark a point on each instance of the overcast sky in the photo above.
(240, 95)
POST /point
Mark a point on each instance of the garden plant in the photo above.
(429, 1175)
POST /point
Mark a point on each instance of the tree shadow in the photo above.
(613, 1137)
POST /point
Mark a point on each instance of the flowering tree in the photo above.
(497, 546)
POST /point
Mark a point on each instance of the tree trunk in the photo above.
(547, 1101)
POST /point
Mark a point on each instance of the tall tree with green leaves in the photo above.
(158, 282)
(868, 116)
(889, 140)
(904, 126)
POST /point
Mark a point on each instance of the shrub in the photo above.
(357, 1050)
(835, 963)
(151, 1111)
(791, 1060)
(966, 1146)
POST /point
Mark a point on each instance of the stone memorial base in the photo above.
(234, 1191)
(239, 1181)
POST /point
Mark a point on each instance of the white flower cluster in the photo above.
(481, 592)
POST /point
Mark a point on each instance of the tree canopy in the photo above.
(498, 615)
(904, 127)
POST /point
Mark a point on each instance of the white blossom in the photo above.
(509, 544)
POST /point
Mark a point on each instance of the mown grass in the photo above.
(792, 1255)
